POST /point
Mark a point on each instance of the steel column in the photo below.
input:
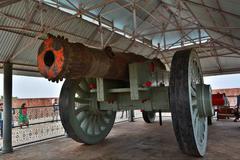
(134, 19)
(160, 117)
(7, 108)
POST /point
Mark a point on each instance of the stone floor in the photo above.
(136, 141)
(45, 128)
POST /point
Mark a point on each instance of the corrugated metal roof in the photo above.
(167, 22)
(221, 15)
(7, 42)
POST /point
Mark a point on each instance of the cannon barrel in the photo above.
(58, 59)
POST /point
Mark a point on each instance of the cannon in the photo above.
(100, 82)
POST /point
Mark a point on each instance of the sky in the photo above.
(223, 81)
(32, 87)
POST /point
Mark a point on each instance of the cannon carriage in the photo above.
(100, 82)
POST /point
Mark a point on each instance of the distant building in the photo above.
(40, 107)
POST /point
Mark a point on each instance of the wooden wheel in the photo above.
(148, 116)
(80, 114)
(189, 124)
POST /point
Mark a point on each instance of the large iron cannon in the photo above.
(58, 59)
(100, 82)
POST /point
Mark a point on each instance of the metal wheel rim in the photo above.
(148, 116)
(199, 123)
(151, 116)
(80, 114)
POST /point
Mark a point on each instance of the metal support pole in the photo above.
(134, 19)
(131, 115)
(164, 42)
(160, 117)
(101, 31)
(199, 35)
(7, 108)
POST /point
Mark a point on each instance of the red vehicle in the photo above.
(222, 106)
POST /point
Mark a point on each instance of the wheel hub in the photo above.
(204, 100)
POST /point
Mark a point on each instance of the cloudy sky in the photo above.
(31, 87)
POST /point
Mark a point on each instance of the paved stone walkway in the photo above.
(136, 141)
(48, 130)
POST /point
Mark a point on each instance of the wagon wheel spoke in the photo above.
(81, 92)
(81, 109)
(193, 92)
(84, 85)
(88, 129)
(94, 125)
(97, 128)
(81, 116)
(84, 124)
(108, 114)
(82, 100)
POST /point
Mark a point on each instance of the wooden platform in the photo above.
(135, 141)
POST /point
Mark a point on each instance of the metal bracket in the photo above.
(100, 89)
(133, 76)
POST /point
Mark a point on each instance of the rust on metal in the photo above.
(58, 59)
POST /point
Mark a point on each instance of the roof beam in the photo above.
(227, 46)
(217, 41)
(224, 71)
(153, 17)
(6, 3)
(151, 12)
(185, 47)
(64, 21)
(216, 56)
(215, 23)
(221, 55)
(177, 24)
(34, 34)
(29, 16)
(224, 17)
(211, 8)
